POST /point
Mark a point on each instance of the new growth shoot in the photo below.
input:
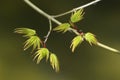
(39, 46)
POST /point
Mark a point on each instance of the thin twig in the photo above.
(107, 47)
(42, 12)
(74, 31)
(84, 6)
(58, 22)
(50, 29)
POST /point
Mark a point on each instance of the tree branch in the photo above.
(41, 12)
(58, 22)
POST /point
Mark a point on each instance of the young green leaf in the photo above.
(54, 62)
(62, 28)
(40, 54)
(27, 32)
(75, 42)
(77, 16)
(32, 41)
(90, 38)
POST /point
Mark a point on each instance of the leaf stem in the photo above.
(50, 29)
(70, 11)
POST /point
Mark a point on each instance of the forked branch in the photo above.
(52, 18)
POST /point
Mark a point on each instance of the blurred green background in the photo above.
(87, 63)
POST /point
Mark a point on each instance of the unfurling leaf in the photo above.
(75, 42)
(27, 32)
(90, 38)
(62, 28)
(32, 41)
(77, 16)
(54, 62)
(40, 54)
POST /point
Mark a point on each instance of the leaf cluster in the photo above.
(27, 32)
(44, 52)
(75, 42)
(75, 17)
(62, 28)
(36, 42)
(89, 37)
(30, 35)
